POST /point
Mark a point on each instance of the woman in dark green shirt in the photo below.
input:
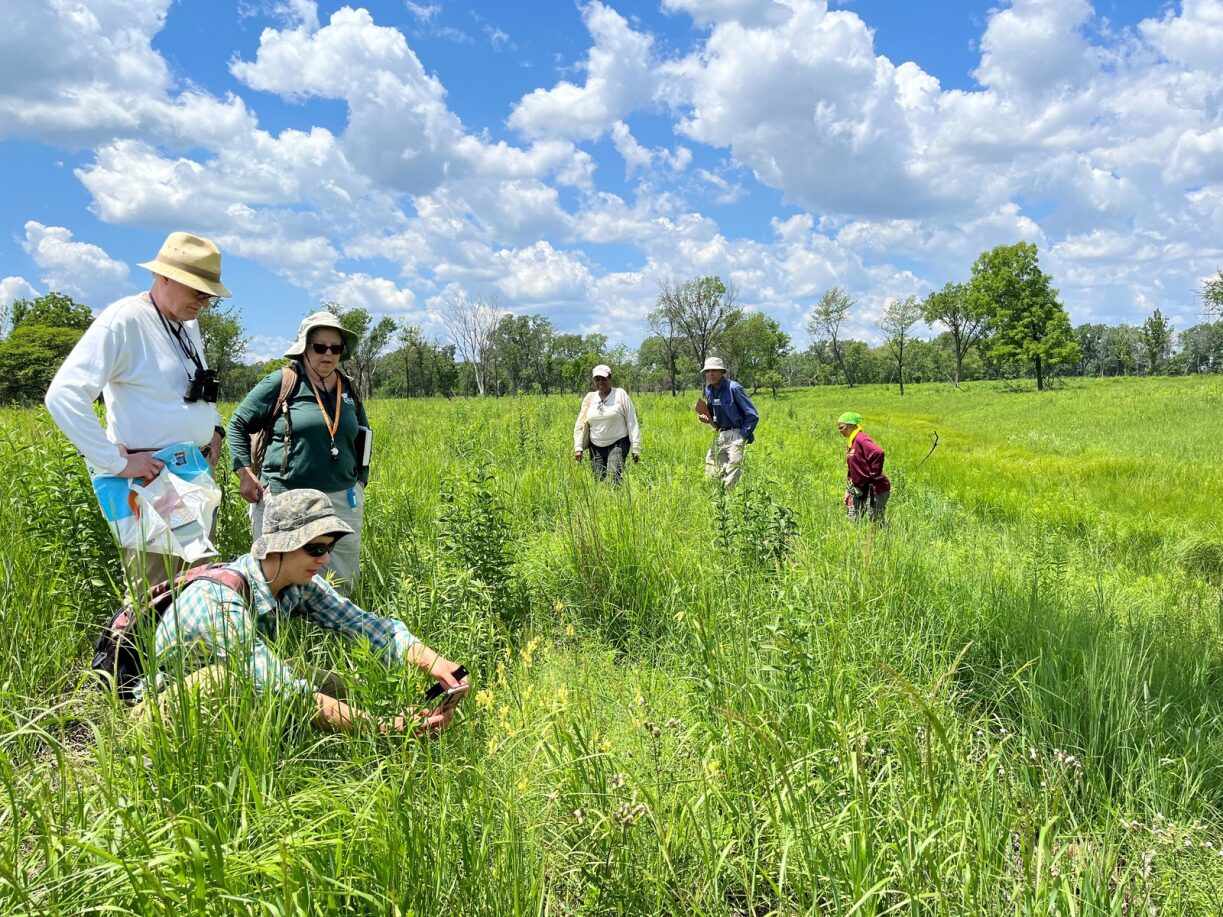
(313, 438)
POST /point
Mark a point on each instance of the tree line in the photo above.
(1005, 321)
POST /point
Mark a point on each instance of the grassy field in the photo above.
(1006, 702)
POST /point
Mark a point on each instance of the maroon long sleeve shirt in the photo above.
(865, 461)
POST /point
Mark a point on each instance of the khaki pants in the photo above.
(345, 560)
(725, 458)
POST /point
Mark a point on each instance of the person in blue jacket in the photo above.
(725, 406)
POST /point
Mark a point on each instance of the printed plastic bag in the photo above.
(172, 514)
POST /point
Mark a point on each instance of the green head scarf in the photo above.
(851, 418)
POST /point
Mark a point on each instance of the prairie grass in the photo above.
(1006, 701)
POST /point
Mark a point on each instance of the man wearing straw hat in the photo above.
(144, 355)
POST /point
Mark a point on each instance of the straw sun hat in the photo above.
(192, 261)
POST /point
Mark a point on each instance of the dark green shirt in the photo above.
(310, 462)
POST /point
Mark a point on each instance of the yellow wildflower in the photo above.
(484, 699)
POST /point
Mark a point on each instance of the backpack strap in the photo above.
(289, 380)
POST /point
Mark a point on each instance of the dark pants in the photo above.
(609, 458)
(872, 505)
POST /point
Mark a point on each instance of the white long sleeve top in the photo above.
(129, 357)
(610, 419)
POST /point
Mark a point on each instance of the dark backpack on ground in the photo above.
(118, 653)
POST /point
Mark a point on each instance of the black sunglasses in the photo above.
(321, 349)
(318, 548)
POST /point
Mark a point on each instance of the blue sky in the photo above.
(567, 158)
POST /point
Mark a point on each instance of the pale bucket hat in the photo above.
(295, 517)
(713, 363)
(322, 320)
(601, 370)
(192, 261)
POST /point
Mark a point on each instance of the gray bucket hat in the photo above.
(322, 320)
(295, 517)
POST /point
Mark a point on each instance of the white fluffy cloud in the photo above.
(14, 288)
(81, 270)
(619, 79)
(1103, 147)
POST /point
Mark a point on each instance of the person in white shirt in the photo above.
(607, 424)
(144, 355)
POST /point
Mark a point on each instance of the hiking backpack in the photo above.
(289, 381)
(118, 653)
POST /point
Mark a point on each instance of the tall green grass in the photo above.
(1006, 701)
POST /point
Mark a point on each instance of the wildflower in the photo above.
(605, 745)
(618, 781)
(640, 701)
(523, 786)
(493, 745)
(579, 814)
(484, 699)
(562, 695)
(713, 767)
(570, 632)
(558, 606)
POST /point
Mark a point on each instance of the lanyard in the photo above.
(332, 425)
(175, 331)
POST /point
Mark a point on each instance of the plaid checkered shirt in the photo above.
(211, 620)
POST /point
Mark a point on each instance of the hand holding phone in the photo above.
(449, 698)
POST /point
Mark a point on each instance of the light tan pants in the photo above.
(725, 458)
(345, 560)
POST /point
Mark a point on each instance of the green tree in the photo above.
(699, 311)
(962, 315)
(29, 358)
(225, 343)
(669, 342)
(899, 317)
(1212, 295)
(754, 346)
(1156, 337)
(1031, 325)
(52, 310)
(825, 325)
(373, 338)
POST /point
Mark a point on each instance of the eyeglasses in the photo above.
(318, 548)
(202, 296)
(321, 349)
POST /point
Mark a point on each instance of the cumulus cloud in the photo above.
(619, 78)
(81, 270)
(12, 288)
(78, 74)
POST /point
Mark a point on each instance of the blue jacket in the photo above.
(732, 409)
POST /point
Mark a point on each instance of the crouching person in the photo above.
(867, 488)
(211, 629)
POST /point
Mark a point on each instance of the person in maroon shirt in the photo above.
(868, 488)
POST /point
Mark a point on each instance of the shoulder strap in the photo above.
(216, 573)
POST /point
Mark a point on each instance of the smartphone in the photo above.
(449, 697)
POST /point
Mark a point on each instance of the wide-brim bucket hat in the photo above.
(322, 320)
(601, 370)
(294, 518)
(713, 363)
(192, 261)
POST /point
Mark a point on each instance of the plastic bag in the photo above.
(172, 514)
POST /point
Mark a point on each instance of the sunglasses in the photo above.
(318, 548)
(321, 349)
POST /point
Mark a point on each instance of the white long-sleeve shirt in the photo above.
(128, 356)
(610, 419)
